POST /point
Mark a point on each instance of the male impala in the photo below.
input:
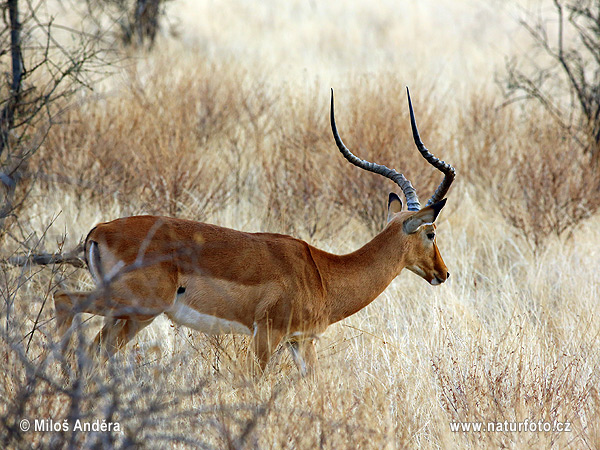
(271, 286)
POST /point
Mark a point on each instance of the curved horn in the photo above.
(448, 171)
(412, 201)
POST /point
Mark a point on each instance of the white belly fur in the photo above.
(182, 314)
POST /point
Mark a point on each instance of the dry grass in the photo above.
(205, 131)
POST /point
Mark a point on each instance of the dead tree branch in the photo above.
(571, 70)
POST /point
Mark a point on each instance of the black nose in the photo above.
(448, 275)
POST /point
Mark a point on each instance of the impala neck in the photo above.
(356, 279)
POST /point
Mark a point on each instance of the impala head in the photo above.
(417, 236)
(420, 251)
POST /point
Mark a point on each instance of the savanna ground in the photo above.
(226, 121)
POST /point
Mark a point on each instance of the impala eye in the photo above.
(431, 236)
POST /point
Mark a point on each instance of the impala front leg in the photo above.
(304, 354)
(266, 340)
(115, 334)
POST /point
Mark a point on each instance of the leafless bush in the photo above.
(566, 79)
(535, 171)
(298, 167)
(122, 400)
(553, 182)
(168, 151)
(43, 74)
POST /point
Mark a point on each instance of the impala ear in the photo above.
(426, 215)
(394, 205)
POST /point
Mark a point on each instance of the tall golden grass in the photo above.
(226, 125)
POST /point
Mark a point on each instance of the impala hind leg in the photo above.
(107, 304)
(63, 307)
(66, 305)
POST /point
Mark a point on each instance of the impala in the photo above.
(273, 287)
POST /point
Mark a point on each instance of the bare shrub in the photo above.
(565, 81)
(298, 168)
(536, 172)
(166, 151)
(44, 72)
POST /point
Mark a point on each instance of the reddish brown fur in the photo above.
(283, 286)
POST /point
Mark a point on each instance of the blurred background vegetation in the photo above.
(218, 112)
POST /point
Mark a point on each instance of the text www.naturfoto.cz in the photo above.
(506, 426)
